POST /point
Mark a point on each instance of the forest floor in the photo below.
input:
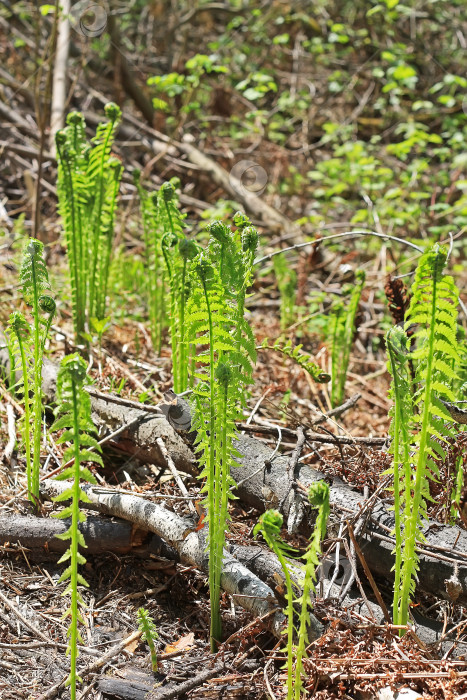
(358, 655)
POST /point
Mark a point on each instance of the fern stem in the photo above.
(76, 279)
(27, 412)
(212, 486)
(37, 389)
(409, 567)
(73, 643)
(97, 224)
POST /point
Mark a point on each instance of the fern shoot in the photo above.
(155, 278)
(318, 496)
(433, 308)
(270, 525)
(223, 346)
(103, 176)
(36, 288)
(287, 283)
(74, 415)
(342, 334)
(401, 415)
(88, 183)
(148, 628)
(178, 252)
(300, 357)
(19, 344)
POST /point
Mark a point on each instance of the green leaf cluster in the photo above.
(88, 184)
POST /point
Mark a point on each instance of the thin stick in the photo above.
(368, 573)
(124, 402)
(95, 666)
(23, 620)
(174, 472)
(334, 236)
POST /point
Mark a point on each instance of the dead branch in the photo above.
(246, 589)
(263, 486)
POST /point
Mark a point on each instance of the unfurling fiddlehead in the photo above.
(178, 252)
(401, 415)
(36, 292)
(223, 346)
(300, 357)
(155, 279)
(270, 525)
(74, 416)
(88, 183)
(20, 348)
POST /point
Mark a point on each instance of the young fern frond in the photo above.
(112, 186)
(287, 283)
(74, 416)
(401, 414)
(73, 204)
(342, 333)
(318, 495)
(216, 321)
(433, 308)
(208, 315)
(36, 288)
(88, 184)
(104, 177)
(147, 626)
(300, 357)
(178, 252)
(20, 348)
(270, 525)
(155, 279)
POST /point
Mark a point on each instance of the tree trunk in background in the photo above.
(57, 116)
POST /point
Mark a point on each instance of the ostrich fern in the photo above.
(88, 184)
(36, 292)
(270, 525)
(155, 279)
(74, 415)
(342, 333)
(401, 415)
(149, 635)
(20, 352)
(433, 310)
(224, 348)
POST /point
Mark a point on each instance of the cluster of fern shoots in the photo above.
(423, 367)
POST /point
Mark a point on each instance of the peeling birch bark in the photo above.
(246, 589)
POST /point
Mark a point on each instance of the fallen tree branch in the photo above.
(111, 535)
(246, 589)
(263, 486)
